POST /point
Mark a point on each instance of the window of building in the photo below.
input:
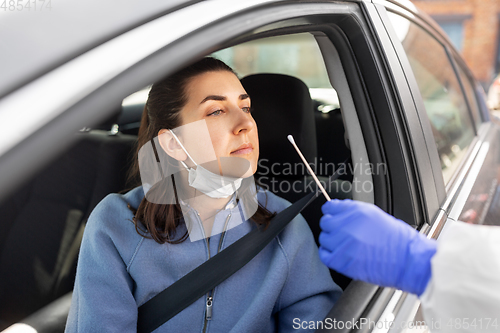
(453, 26)
(455, 31)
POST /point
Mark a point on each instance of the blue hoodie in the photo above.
(119, 270)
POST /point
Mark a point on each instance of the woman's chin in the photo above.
(248, 174)
(237, 166)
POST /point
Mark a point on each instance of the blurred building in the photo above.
(473, 27)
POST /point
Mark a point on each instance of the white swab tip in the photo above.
(290, 138)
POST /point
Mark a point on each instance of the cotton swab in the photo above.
(290, 138)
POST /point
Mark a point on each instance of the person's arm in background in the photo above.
(455, 279)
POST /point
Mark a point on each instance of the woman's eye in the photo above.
(215, 113)
(247, 109)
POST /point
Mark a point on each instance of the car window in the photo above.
(296, 55)
(471, 96)
(441, 92)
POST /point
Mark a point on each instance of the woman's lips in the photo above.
(244, 149)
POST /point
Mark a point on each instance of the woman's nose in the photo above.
(243, 121)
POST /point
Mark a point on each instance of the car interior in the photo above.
(43, 221)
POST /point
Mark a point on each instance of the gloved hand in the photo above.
(365, 243)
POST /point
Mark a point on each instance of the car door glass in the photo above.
(441, 92)
(296, 55)
(471, 96)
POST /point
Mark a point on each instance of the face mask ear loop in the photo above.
(182, 146)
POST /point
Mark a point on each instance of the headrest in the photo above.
(281, 106)
(107, 123)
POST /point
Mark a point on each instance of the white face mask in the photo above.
(207, 182)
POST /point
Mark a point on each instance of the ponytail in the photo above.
(133, 175)
(144, 121)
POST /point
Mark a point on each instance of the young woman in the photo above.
(133, 248)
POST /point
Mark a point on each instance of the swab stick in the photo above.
(290, 138)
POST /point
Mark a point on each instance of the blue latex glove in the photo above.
(365, 243)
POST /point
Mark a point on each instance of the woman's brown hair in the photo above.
(162, 111)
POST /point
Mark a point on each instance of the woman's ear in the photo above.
(170, 145)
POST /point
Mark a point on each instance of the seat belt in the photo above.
(185, 291)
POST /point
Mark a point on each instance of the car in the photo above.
(388, 103)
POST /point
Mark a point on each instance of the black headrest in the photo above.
(107, 123)
(281, 106)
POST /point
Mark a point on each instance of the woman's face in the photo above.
(220, 100)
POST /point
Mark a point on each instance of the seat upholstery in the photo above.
(331, 142)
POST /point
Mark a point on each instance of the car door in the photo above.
(381, 111)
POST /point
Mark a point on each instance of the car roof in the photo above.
(36, 41)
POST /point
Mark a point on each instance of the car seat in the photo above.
(330, 129)
(282, 105)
